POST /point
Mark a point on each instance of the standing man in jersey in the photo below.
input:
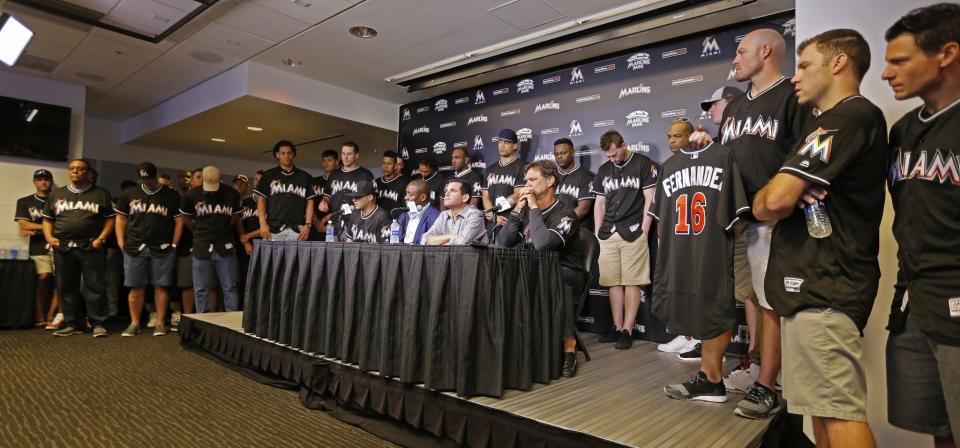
(249, 225)
(699, 199)
(624, 187)
(77, 220)
(541, 221)
(149, 225)
(213, 209)
(923, 350)
(504, 179)
(576, 182)
(392, 186)
(29, 218)
(330, 162)
(369, 223)
(761, 128)
(460, 162)
(285, 198)
(824, 286)
(434, 179)
(343, 181)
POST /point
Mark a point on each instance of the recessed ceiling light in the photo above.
(160, 18)
(206, 56)
(233, 42)
(254, 128)
(218, 140)
(302, 3)
(363, 32)
(291, 62)
(89, 76)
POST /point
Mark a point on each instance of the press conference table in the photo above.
(475, 321)
(19, 280)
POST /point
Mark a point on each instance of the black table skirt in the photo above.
(18, 282)
(471, 320)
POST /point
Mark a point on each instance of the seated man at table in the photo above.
(461, 223)
(420, 214)
(540, 221)
(368, 223)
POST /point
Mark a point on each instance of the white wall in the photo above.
(16, 178)
(871, 18)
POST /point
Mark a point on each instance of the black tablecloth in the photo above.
(18, 282)
(471, 320)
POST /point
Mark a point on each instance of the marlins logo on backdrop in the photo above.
(550, 105)
(406, 113)
(524, 135)
(575, 129)
(790, 27)
(480, 99)
(638, 118)
(421, 130)
(439, 147)
(477, 142)
(638, 61)
(440, 105)
(634, 90)
(477, 119)
(576, 76)
(937, 166)
(525, 86)
(710, 47)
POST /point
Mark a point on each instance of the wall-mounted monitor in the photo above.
(34, 130)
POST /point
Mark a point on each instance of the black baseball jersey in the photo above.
(321, 184)
(473, 180)
(435, 184)
(373, 228)
(623, 187)
(249, 216)
(151, 217)
(577, 186)
(551, 228)
(212, 212)
(761, 130)
(846, 153)
(503, 179)
(924, 182)
(78, 214)
(391, 193)
(699, 197)
(30, 208)
(287, 193)
(342, 182)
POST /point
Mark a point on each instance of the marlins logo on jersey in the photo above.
(818, 146)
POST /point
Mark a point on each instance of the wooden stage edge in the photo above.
(617, 396)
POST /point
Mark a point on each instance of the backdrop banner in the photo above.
(638, 92)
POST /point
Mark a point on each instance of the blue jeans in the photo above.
(205, 276)
(286, 234)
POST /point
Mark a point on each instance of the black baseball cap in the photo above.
(147, 170)
(364, 188)
(241, 178)
(42, 174)
(724, 93)
(508, 135)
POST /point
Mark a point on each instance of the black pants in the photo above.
(71, 266)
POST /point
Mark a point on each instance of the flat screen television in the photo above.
(34, 130)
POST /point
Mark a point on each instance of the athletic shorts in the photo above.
(822, 373)
(624, 263)
(923, 394)
(148, 267)
(758, 236)
(44, 263)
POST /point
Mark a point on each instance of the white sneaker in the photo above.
(153, 320)
(56, 323)
(740, 380)
(690, 345)
(174, 320)
(674, 346)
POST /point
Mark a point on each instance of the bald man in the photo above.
(420, 214)
(761, 127)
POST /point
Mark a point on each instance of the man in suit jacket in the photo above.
(420, 214)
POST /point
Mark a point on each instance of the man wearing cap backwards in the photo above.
(504, 179)
(285, 198)
(213, 210)
(29, 217)
(77, 219)
(369, 223)
(149, 226)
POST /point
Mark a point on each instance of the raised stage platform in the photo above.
(616, 399)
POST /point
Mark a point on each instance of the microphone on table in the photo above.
(502, 205)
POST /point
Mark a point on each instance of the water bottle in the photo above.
(14, 253)
(4, 253)
(395, 232)
(818, 221)
(331, 236)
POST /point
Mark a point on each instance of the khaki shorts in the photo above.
(44, 263)
(624, 263)
(758, 236)
(742, 281)
(822, 374)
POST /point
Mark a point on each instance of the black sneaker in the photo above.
(625, 341)
(569, 364)
(692, 355)
(69, 330)
(698, 387)
(612, 336)
(760, 402)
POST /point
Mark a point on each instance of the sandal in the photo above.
(40, 324)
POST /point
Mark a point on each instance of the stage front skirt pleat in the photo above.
(475, 321)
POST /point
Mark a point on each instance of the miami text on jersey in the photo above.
(939, 167)
(138, 206)
(64, 205)
(763, 127)
(611, 184)
(277, 187)
(204, 209)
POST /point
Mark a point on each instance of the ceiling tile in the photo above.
(263, 22)
(120, 52)
(84, 62)
(231, 40)
(48, 50)
(315, 13)
(526, 14)
(101, 6)
(580, 8)
(145, 16)
(47, 27)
